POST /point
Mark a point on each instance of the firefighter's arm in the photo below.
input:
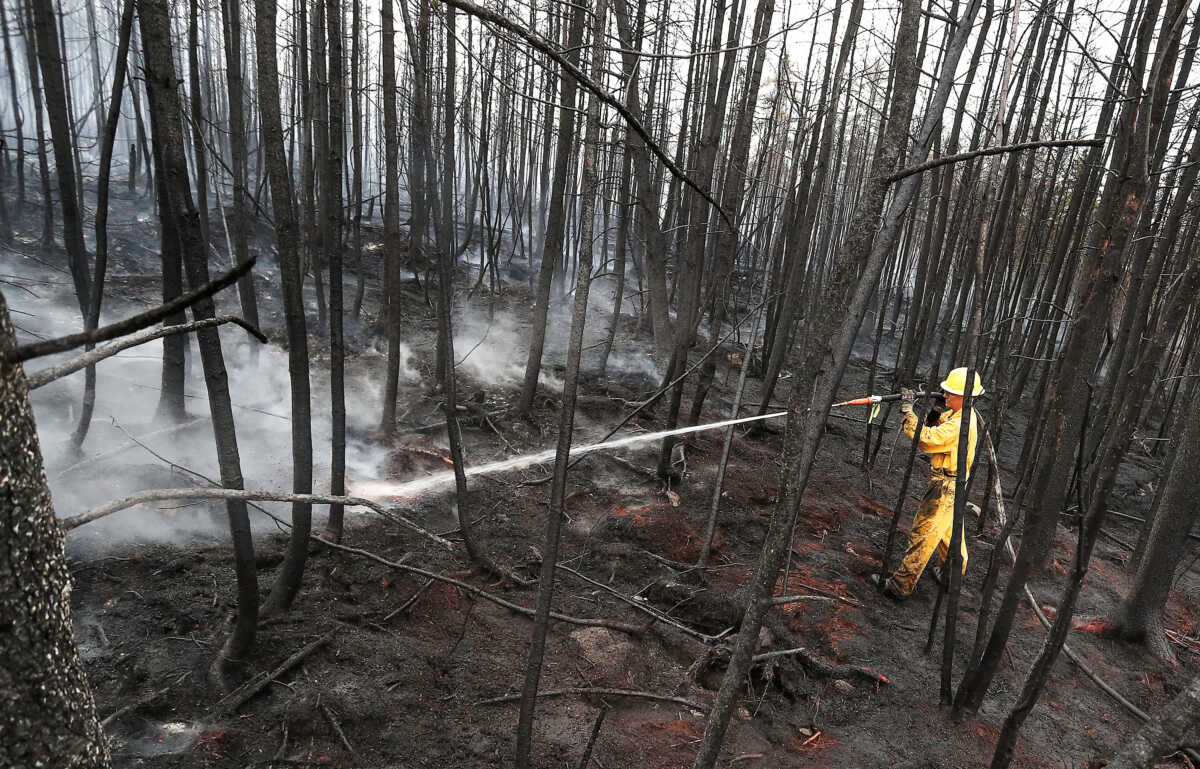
(934, 440)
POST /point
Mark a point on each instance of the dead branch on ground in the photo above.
(240, 696)
(603, 692)
(623, 627)
(821, 667)
(140, 701)
(650, 610)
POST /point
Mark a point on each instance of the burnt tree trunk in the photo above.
(18, 120)
(31, 63)
(566, 414)
(552, 247)
(1164, 733)
(292, 277)
(154, 20)
(232, 32)
(54, 83)
(1140, 616)
(108, 139)
(333, 253)
(47, 713)
(391, 218)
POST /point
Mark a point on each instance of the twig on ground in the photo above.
(282, 744)
(603, 692)
(337, 728)
(623, 627)
(781, 600)
(650, 610)
(240, 696)
(411, 600)
(591, 743)
(822, 667)
(139, 702)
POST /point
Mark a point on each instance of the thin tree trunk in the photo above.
(566, 416)
(232, 32)
(333, 254)
(53, 74)
(108, 139)
(292, 276)
(31, 62)
(18, 119)
(1140, 615)
(154, 18)
(391, 219)
(552, 247)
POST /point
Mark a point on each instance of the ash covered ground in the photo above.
(416, 673)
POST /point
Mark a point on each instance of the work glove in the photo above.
(907, 399)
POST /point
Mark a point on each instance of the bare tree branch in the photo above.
(130, 325)
(47, 375)
(155, 495)
(623, 627)
(541, 44)
(946, 159)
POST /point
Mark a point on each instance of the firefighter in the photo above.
(934, 521)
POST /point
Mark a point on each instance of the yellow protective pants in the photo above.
(931, 530)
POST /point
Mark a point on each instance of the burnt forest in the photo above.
(598, 384)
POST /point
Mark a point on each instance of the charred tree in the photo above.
(391, 217)
(1140, 616)
(332, 194)
(18, 119)
(566, 416)
(108, 139)
(167, 127)
(292, 276)
(31, 63)
(232, 33)
(54, 84)
(47, 713)
(552, 246)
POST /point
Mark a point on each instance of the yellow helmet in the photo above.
(956, 382)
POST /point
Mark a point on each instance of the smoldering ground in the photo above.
(129, 448)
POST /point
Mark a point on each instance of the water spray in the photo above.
(410, 489)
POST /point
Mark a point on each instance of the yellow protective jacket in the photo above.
(940, 441)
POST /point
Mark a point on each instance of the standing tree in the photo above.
(177, 206)
(566, 415)
(47, 714)
(1140, 616)
(291, 274)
